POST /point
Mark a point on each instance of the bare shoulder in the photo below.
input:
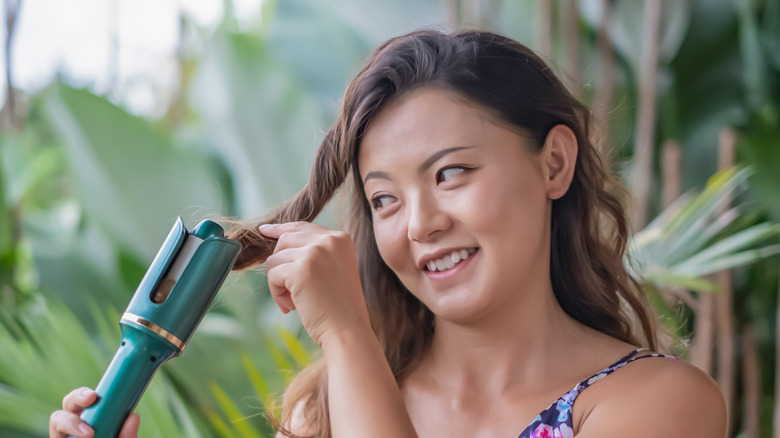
(654, 396)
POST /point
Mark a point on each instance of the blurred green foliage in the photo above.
(89, 191)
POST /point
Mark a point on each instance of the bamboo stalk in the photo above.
(704, 332)
(571, 15)
(453, 13)
(670, 174)
(670, 168)
(724, 324)
(544, 44)
(10, 119)
(493, 13)
(645, 128)
(486, 12)
(751, 381)
(670, 178)
(776, 413)
(113, 50)
(471, 13)
(723, 301)
(727, 148)
(701, 350)
(178, 106)
(602, 101)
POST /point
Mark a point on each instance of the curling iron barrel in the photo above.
(166, 309)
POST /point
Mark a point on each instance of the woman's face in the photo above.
(460, 204)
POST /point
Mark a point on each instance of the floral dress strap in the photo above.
(556, 421)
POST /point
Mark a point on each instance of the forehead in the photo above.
(421, 122)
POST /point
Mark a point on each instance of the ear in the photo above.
(559, 157)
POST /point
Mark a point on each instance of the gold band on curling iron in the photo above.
(170, 337)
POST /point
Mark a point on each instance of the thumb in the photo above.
(130, 429)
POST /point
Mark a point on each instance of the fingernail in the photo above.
(265, 226)
(84, 428)
(86, 392)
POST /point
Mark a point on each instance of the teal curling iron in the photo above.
(166, 309)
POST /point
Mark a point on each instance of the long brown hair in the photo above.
(589, 226)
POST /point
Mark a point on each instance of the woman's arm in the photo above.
(366, 398)
(363, 396)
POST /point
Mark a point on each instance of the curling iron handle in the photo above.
(139, 355)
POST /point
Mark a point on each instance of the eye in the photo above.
(380, 201)
(448, 172)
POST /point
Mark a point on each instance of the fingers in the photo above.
(67, 422)
(63, 424)
(276, 230)
(78, 399)
(324, 239)
(291, 248)
(299, 251)
(130, 428)
(277, 284)
(284, 253)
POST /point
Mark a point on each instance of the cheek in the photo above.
(488, 207)
(510, 210)
(390, 243)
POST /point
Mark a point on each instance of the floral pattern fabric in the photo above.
(556, 420)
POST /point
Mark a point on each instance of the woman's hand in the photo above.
(67, 422)
(314, 270)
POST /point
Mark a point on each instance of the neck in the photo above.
(514, 346)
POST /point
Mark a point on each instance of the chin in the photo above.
(457, 310)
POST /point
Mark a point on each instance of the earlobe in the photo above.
(560, 157)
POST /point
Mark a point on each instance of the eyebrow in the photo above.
(423, 167)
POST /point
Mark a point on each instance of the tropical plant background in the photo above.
(685, 94)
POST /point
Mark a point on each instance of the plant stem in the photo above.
(645, 127)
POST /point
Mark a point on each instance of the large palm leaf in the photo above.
(699, 234)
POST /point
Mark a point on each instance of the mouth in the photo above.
(448, 260)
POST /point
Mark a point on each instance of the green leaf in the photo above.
(679, 247)
(297, 350)
(219, 424)
(626, 30)
(730, 261)
(309, 40)
(398, 17)
(688, 225)
(759, 147)
(238, 421)
(278, 357)
(671, 278)
(258, 383)
(757, 88)
(47, 352)
(131, 179)
(771, 32)
(258, 121)
(739, 241)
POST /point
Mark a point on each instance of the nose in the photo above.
(426, 218)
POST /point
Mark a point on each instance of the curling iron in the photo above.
(166, 309)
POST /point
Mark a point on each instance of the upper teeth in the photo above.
(449, 260)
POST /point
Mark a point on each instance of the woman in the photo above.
(482, 287)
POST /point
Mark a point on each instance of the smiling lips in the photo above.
(449, 261)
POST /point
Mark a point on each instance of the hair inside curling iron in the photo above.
(165, 286)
